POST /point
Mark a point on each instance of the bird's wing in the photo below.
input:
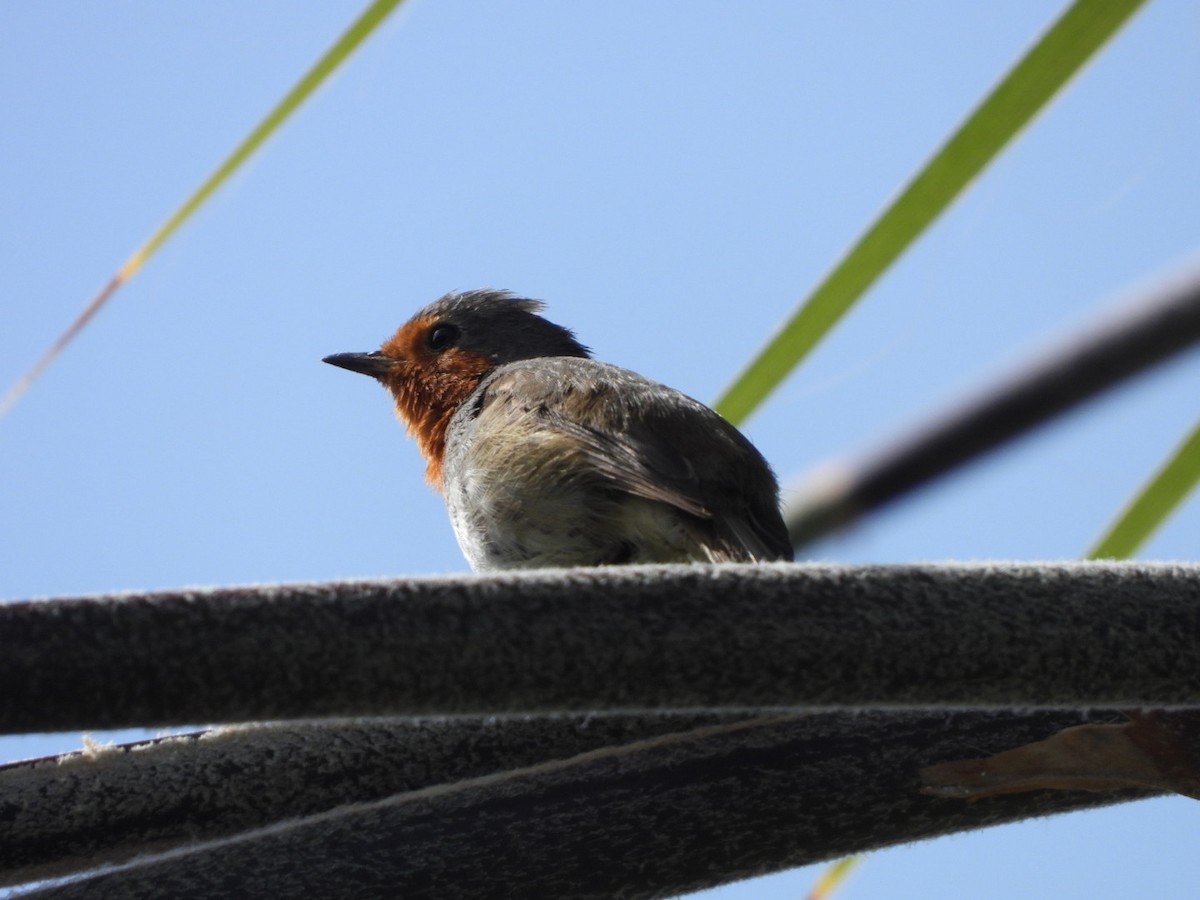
(650, 441)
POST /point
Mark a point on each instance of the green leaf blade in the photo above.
(1012, 104)
(1165, 491)
(342, 48)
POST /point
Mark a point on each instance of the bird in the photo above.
(547, 457)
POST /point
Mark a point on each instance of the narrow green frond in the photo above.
(358, 31)
(1058, 55)
(1154, 503)
(832, 877)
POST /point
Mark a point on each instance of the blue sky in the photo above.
(671, 178)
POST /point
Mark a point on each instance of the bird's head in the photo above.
(439, 356)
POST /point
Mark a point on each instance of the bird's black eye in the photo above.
(441, 336)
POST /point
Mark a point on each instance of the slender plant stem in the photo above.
(366, 23)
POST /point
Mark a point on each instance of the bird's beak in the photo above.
(374, 364)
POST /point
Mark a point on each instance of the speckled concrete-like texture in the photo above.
(1062, 635)
(621, 804)
(651, 818)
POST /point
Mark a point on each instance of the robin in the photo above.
(547, 457)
